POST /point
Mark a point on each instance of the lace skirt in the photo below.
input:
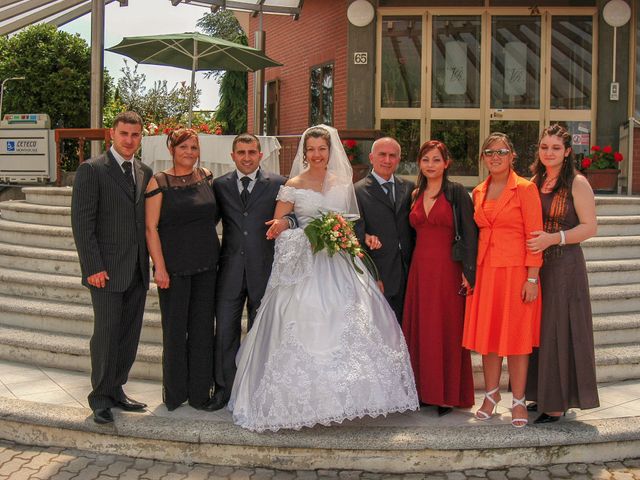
(325, 346)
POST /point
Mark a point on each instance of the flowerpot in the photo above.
(360, 171)
(603, 181)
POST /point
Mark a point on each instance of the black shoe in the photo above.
(130, 405)
(102, 415)
(544, 418)
(442, 411)
(532, 407)
(217, 402)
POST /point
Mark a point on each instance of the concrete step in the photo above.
(616, 329)
(56, 288)
(610, 248)
(615, 298)
(617, 205)
(21, 211)
(614, 363)
(609, 226)
(33, 235)
(64, 318)
(70, 352)
(613, 272)
(60, 196)
(43, 260)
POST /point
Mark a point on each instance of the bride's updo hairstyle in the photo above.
(315, 132)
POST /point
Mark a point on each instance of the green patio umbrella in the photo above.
(193, 51)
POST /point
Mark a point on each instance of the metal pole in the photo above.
(97, 70)
(258, 83)
(2, 91)
(194, 65)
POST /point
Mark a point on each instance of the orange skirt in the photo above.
(496, 319)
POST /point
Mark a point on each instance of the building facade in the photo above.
(422, 69)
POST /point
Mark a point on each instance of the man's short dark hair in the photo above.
(130, 117)
(245, 138)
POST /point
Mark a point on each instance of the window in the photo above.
(272, 108)
(321, 101)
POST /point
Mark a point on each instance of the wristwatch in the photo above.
(532, 280)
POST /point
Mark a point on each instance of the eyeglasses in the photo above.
(502, 152)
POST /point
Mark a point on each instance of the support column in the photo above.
(97, 70)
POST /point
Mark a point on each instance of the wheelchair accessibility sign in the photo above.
(11, 146)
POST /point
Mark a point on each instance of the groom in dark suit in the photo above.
(246, 198)
(107, 217)
(384, 200)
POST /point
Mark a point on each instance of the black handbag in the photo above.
(457, 249)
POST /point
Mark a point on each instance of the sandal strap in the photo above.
(489, 395)
(518, 401)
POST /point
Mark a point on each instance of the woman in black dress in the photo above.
(181, 217)
(562, 372)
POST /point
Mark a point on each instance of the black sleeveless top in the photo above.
(187, 225)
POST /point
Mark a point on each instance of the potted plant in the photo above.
(352, 149)
(601, 168)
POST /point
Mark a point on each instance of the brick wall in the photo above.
(318, 36)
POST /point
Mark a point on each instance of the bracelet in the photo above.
(532, 280)
(563, 239)
(290, 222)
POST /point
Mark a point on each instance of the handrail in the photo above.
(82, 135)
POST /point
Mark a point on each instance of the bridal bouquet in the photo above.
(332, 232)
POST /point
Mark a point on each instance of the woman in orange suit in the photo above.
(502, 316)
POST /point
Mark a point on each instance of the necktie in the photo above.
(388, 186)
(244, 195)
(126, 165)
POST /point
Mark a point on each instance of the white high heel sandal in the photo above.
(482, 415)
(522, 421)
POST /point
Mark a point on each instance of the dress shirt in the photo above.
(120, 159)
(253, 176)
(382, 181)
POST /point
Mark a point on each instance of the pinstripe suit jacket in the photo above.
(108, 222)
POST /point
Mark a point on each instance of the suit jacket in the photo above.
(108, 221)
(503, 235)
(390, 223)
(245, 248)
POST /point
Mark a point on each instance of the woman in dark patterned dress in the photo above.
(562, 371)
(181, 216)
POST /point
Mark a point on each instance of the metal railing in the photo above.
(82, 135)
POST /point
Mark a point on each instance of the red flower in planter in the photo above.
(602, 158)
(586, 163)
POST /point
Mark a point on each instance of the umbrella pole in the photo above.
(194, 65)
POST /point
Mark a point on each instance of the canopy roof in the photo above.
(282, 7)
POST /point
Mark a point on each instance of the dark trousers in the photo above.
(396, 301)
(228, 330)
(187, 309)
(114, 343)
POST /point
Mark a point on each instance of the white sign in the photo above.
(360, 58)
(515, 68)
(580, 139)
(22, 146)
(455, 66)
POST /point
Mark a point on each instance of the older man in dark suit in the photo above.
(384, 200)
(246, 198)
(107, 216)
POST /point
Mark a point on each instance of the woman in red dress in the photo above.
(434, 303)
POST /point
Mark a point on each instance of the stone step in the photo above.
(60, 196)
(32, 235)
(613, 272)
(57, 288)
(69, 352)
(610, 248)
(21, 211)
(614, 363)
(615, 298)
(617, 205)
(42, 260)
(609, 226)
(616, 329)
(64, 318)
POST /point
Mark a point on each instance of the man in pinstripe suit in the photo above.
(107, 216)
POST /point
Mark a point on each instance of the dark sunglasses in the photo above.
(502, 152)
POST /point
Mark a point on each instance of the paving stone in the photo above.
(634, 463)
(63, 457)
(22, 474)
(435, 476)
(90, 473)
(559, 471)
(158, 470)
(497, 475)
(76, 464)
(372, 476)
(282, 475)
(200, 472)
(616, 466)
(131, 474)
(143, 463)
(539, 475)
(305, 475)
(38, 461)
(48, 471)
(240, 474)
(618, 475)
(7, 455)
(117, 468)
(263, 473)
(28, 454)
(517, 473)
(12, 466)
(350, 474)
(175, 476)
(327, 473)
(63, 475)
(577, 468)
(411, 476)
(455, 476)
(476, 472)
(599, 472)
(223, 471)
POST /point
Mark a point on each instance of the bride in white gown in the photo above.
(325, 346)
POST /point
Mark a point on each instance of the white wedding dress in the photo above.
(325, 346)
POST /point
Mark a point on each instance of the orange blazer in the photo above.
(518, 212)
